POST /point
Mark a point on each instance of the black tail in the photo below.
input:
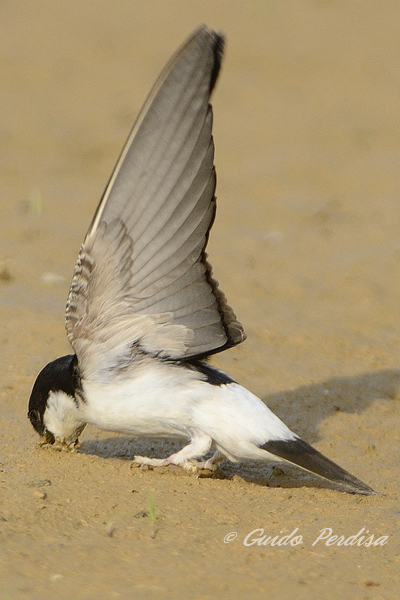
(300, 453)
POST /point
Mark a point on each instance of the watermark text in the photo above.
(325, 537)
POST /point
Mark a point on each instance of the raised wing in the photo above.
(142, 279)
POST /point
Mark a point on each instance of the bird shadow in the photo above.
(305, 408)
(302, 409)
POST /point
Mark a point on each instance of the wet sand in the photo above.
(305, 246)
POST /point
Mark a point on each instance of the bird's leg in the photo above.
(199, 445)
(212, 463)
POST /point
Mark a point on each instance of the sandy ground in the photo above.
(307, 248)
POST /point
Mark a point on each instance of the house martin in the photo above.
(144, 311)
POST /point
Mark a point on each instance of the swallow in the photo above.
(144, 312)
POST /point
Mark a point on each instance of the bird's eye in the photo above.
(36, 420)
(34, 417)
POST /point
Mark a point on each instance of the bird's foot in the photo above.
(212, 463)
(199, 445)
(191, 465)
(151, 462)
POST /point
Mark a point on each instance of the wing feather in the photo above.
(142, 280)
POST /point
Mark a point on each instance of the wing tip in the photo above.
(219, 47)
(217, 42)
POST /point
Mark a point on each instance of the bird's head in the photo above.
(53, 407)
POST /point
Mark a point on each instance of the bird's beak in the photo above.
(46, 439)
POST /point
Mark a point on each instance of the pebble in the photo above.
(39, 494)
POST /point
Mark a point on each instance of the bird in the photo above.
(144, 312)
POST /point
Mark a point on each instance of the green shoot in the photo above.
(152, 514)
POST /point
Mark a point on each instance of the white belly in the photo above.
(158, 401)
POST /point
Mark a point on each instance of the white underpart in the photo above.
(62, 417)
(167, 401)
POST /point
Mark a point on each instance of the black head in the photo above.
(58, 375)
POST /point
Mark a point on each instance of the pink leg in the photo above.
(199, 445)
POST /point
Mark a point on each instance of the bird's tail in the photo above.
(298, 452)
